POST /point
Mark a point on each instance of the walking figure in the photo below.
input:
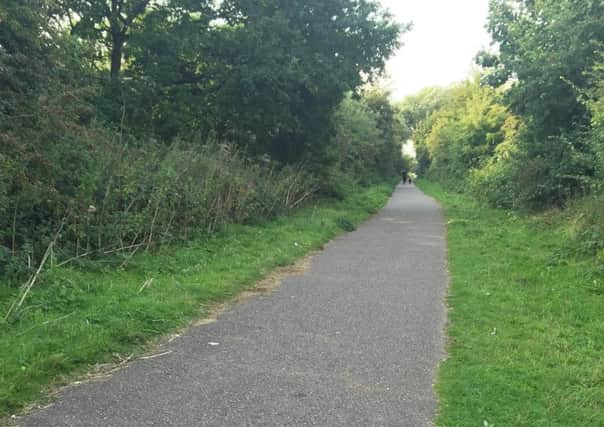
(404, 172)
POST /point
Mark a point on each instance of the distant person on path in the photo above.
(404, 172)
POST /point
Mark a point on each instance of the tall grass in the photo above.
(109, 196)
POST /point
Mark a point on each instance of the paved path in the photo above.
(354, 341)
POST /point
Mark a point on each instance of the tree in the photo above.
(417, 107)
(168, 90)
(545, 48)
(463, 134)
(108, 23)
(389, 157)
(357, 137)
(263, 75)
(546, 51)
(287, 65)
(24, 53)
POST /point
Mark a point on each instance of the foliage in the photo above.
(134, 123)
(368, 137)
(415, 114)
(110, 196)
(585, 234)
(547, 51)
(356, 132)
(463, 134)
(547, 46)
(264, 76)
(472, 142)
(595, 135)
(389, 161)
(414, 109)
(107, 24)
(535, 141)
(329, 46)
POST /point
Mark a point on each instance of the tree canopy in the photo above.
(534, 142)
(121, 118)
(263, 75)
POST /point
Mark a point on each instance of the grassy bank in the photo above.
(75, 318)
(526, 321)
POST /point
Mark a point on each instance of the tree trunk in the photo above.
(116, 56)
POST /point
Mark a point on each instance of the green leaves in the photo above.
(285, 67)
(92, 93)
(368, 137)
(546, 46)
(264, 75)
(546, 70)
(462, 134)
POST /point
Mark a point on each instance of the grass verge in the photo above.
(76, 318)
(526, 322)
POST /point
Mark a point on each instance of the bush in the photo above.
(473, 142)
(114, 196)
(90, 166)
(544, 175)
(494, 185)
(586, 230)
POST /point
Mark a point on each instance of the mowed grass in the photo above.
(526, 322)
(76, 318)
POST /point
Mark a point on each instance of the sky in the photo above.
(441, 46)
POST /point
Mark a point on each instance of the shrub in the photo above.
(586, 230)
(113, 196)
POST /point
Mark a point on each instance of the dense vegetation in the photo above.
(129, 123)
(527, 133)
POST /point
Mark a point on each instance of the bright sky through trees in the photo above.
(440, 48)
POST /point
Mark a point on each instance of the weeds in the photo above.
(345, 224)
(128, 199)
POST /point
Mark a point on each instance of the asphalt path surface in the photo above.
(354, 341)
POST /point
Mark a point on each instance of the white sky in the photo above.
(441, 46)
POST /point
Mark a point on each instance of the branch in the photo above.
(30, 283)
(104, 251)
(137, 10)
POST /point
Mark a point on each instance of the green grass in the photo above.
(75, 318)
(526, 322)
